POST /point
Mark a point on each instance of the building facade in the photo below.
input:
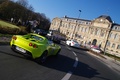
(101, 31)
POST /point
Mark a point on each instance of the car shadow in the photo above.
(4, 43)
(61, 63)
(13, 54)
(65, 64)
(80, 48)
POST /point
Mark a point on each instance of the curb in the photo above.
(110, 62)
(97, 54)
(4, 43)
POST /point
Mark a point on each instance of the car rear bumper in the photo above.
(22, 51)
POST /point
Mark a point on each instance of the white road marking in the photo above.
(68, 48)
(76, 62)
(67, 76)
(74, 53)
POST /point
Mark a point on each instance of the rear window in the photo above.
(36, 37)
(75, 41)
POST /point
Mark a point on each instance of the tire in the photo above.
(42, 58)
(13, 48)
(69, 44)
(58, 52)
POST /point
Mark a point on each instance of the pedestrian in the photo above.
(19, 22)
(12, 20)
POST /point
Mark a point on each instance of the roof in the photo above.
(106, 17)
(76, 18)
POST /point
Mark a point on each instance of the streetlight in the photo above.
(76, 24)
(79, 14)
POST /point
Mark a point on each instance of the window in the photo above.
(115, 28)
(102, 34)
(118, 47)
(79, 21)
(58, 24)
(110, 35)
(98, 32)
(87, 29)
(79, 36)
(66, 25)
(71, 26)
(78, 28)
(87, 22)
(81, 29)
(82, 22)
(113, 45)
(92, 31)
(54, 23)
(116, 37)
(108, 43)
(36, 37)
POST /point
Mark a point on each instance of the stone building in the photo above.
(101, 31)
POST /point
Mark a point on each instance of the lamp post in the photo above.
(73, 35)
(79, 14)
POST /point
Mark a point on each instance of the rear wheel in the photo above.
(13, 47)
(58, 52)
(42, 58)
(69, 44)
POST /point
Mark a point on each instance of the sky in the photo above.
(90, 9)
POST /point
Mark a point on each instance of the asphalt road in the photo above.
(71, 64)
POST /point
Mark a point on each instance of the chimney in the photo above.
(113, 21)
(65, 16)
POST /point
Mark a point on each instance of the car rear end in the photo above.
(75, 44)
(26, 46)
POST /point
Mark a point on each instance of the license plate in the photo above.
(21, 50)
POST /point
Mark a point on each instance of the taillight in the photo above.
(30, 44)
(72, 42)
(33, 45)
(14, 37)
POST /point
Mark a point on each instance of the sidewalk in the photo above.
(4, 40)
(110, 62)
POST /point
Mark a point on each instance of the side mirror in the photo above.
(51, 43)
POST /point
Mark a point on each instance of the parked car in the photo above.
(73, 43)
(34, 46)
(56, 39)
(96, 49)
(41, 32)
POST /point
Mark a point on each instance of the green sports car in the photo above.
(33, 45)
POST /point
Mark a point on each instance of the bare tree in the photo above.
(24, 3)
(20, 9)
(1, 1)
(30, 8)
(43, 15)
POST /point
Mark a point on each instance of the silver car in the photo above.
(73, 43)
